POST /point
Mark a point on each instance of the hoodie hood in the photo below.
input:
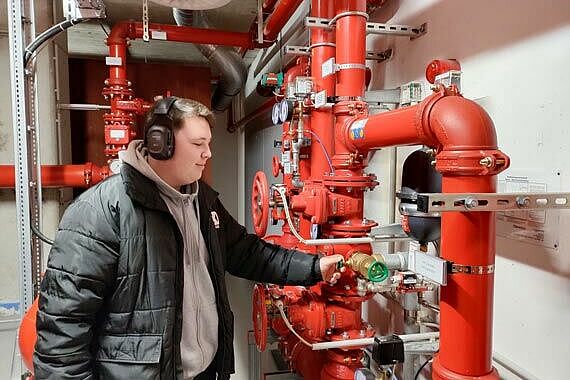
(136, 155)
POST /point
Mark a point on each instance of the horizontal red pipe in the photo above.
(447, 122)
(84, 175)
(133, 30)
(277, 20)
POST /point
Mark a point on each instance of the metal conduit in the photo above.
(226, 60)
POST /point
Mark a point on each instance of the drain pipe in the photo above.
(226, 60)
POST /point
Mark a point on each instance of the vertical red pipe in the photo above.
(351, 47)
(322, 119)
(118, 73)
(466, 304)
(350, 50)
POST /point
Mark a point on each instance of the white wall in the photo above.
(515, 60)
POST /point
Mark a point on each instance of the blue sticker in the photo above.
(357, 129)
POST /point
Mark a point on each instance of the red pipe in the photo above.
(351, 48)
(466, 303)
(277, 20)
(322, 119)
(350, 56)
(268, 5)
(133, 30)
(468, 159)
(85, 175)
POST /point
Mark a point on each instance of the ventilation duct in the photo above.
(231, 66)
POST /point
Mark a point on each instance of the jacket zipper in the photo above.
(220, 317)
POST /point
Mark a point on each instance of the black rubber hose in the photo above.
(46, 36)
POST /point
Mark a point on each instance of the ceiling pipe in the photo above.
(55, 176)
(175, 33)
(231, 66)
(277, 20)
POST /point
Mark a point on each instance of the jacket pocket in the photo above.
(128, 357)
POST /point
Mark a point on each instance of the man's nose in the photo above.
(207, 153)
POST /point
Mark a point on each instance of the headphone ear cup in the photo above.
(159, 141)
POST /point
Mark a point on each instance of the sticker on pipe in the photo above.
(357, 129)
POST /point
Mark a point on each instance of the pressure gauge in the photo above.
(115, 166)
(275, 111)
(286, 110)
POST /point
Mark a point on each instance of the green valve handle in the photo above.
(378, 272)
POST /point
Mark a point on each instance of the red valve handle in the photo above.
(260, 203)
(260, 317)
(275, 166)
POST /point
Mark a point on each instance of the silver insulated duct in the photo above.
(225, 59)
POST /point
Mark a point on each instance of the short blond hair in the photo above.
(181, 109)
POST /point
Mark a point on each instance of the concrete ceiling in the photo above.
(88, 39)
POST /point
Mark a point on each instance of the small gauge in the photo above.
(285, 111)
(275, 113)
(115, 166)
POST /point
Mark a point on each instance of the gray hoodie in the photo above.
(200, 317)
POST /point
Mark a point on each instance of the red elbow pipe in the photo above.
(80, 176)
(443, 120)
(468, 159)
(277, 20)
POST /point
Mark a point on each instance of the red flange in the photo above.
(260, 324)
(260, 203)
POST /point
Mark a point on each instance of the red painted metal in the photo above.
(324, 312)
(268, 5)
(322, 119)
(84, 175)
(440, 66)
(260, 203)
(175, 33)
(277, 20)
(27, 335)
(260, 319)
(468, 158)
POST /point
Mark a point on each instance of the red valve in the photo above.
(440, 66)
(260, 203)
(260, 316)
(275, 166)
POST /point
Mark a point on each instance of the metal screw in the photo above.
(345, 335)
(487, 162)
(523, 201)
(471, 202)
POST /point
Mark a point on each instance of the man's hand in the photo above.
(330, 268)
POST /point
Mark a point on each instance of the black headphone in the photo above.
(159, 138)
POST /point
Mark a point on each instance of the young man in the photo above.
(134, 287)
